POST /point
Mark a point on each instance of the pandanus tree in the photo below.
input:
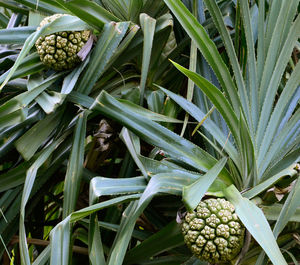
(119, 159)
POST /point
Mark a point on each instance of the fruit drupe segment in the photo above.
(213, 231)
(59, 50)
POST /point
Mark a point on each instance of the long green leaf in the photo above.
(30, 178)
(60, 242)
(285, 142)
(157, 134)
(101, 186)
(261, 41)
(87, 102)
(147, 113)
(207, 48)
(133, 145)
(192, 194)
(289, 208)
(15, 35)
(110, 38)
(272, 16)
(74, 170)
(90, 12)
(148, 28)
(290, 171)
(71, 79)
(249, 171)
(219, 22)
(270, 84)
(216, 97)
(256, 223)
(278, 113)
(42, 6)
(168, 237)
(123, 236)
(170, 183)
(253, 83)
(31, 64)
(272, 212)
(192, 67)
(208, 124)
(80, 214)
(96, 253)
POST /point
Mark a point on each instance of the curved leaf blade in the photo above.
(289, 208)
(256, 223)
(148, 27)
(15, 35)
(192, 194)
(106, 46)
(90, 12)
(208, 124)
(156, 134)
(219, 22)
(216, 97)
(207, 48)
(75, 166)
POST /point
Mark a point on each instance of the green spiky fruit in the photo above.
(213, 231)
(59, 50)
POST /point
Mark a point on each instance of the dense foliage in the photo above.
(171, 103)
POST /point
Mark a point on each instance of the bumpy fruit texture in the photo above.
(59, 50)
(213, 232)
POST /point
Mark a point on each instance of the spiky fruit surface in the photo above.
(59, 50)
(213, 231)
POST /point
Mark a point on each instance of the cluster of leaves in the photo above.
(69, 169)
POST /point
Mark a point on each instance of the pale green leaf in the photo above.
(272, 212)
(148, 28)
(217, 98)
(219, 22)
(256, 223)
(192, 194)
(290, 171)
(101, 55)
(156, 134)
(208, 49)
(29, 143)
(75, 165)
(208, 124)
(289, 208)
